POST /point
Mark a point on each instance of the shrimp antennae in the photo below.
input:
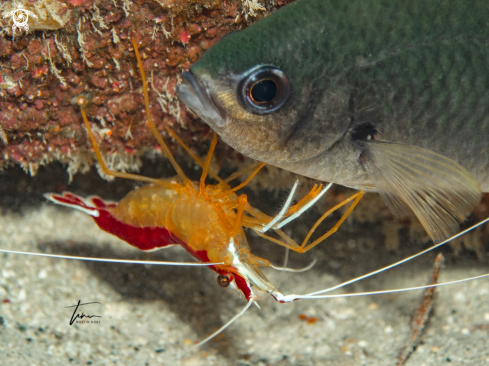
(207, 339)
(391, 291)
(239, 173)
(292, 297)
(81, 101)
(191, 153)
(151, 124)
(293, 270)
(207, 163)
(245, 182)
(113, 260)
(401, 261)
(319, 294)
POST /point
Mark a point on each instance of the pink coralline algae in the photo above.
(83, 47)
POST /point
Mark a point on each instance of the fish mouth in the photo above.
(194, 95)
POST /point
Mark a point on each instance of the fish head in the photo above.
(316, 88)
(264, 103)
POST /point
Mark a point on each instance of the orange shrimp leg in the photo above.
(355, 198)
(81, 102)
(240, 172)
(304, 247)
(232, 229)
(152, 126)
(207, 163)
(226, 192)
(242, 201)
(190, 152)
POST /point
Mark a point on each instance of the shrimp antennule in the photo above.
(152, 126)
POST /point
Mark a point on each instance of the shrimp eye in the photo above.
(223, 280)
(264, 90)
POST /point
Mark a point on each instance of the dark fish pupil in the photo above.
(264, 91)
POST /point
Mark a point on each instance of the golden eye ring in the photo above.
(223, 281)
(264, 90)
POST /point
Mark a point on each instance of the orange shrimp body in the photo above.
(201, 220)
(189, 217)
(206, 220)
(158, 216)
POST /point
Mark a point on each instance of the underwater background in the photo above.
(150, 313)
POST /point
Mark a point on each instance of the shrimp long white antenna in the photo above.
(391, 291)
(284, 209)
(112, 260)
(319, 294)
(305, 208)
(202, 342)
(370, 274)
(275, 224)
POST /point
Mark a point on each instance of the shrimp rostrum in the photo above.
(206, 220)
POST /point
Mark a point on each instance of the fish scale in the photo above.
(450, 108)
(389, 96)
(343, 44)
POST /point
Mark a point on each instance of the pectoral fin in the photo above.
(414, 180)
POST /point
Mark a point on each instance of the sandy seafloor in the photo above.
(149, 314)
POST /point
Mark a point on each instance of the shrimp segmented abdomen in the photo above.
(147, 206)
(110, 218)
(154, 216)
(189, 217)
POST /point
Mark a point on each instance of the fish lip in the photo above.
(194, 95)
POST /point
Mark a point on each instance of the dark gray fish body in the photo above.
(391, 96)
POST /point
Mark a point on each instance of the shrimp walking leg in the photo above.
(355, 198)
(150, 122)
(205, 168)
(191, 153)
(106, 170)
(240, 172)
(82, 102)
(288, 242)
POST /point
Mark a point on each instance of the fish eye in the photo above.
(223, 280)
(264, 90)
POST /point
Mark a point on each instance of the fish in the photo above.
(383, 96)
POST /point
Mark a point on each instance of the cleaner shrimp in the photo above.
(291, 341)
